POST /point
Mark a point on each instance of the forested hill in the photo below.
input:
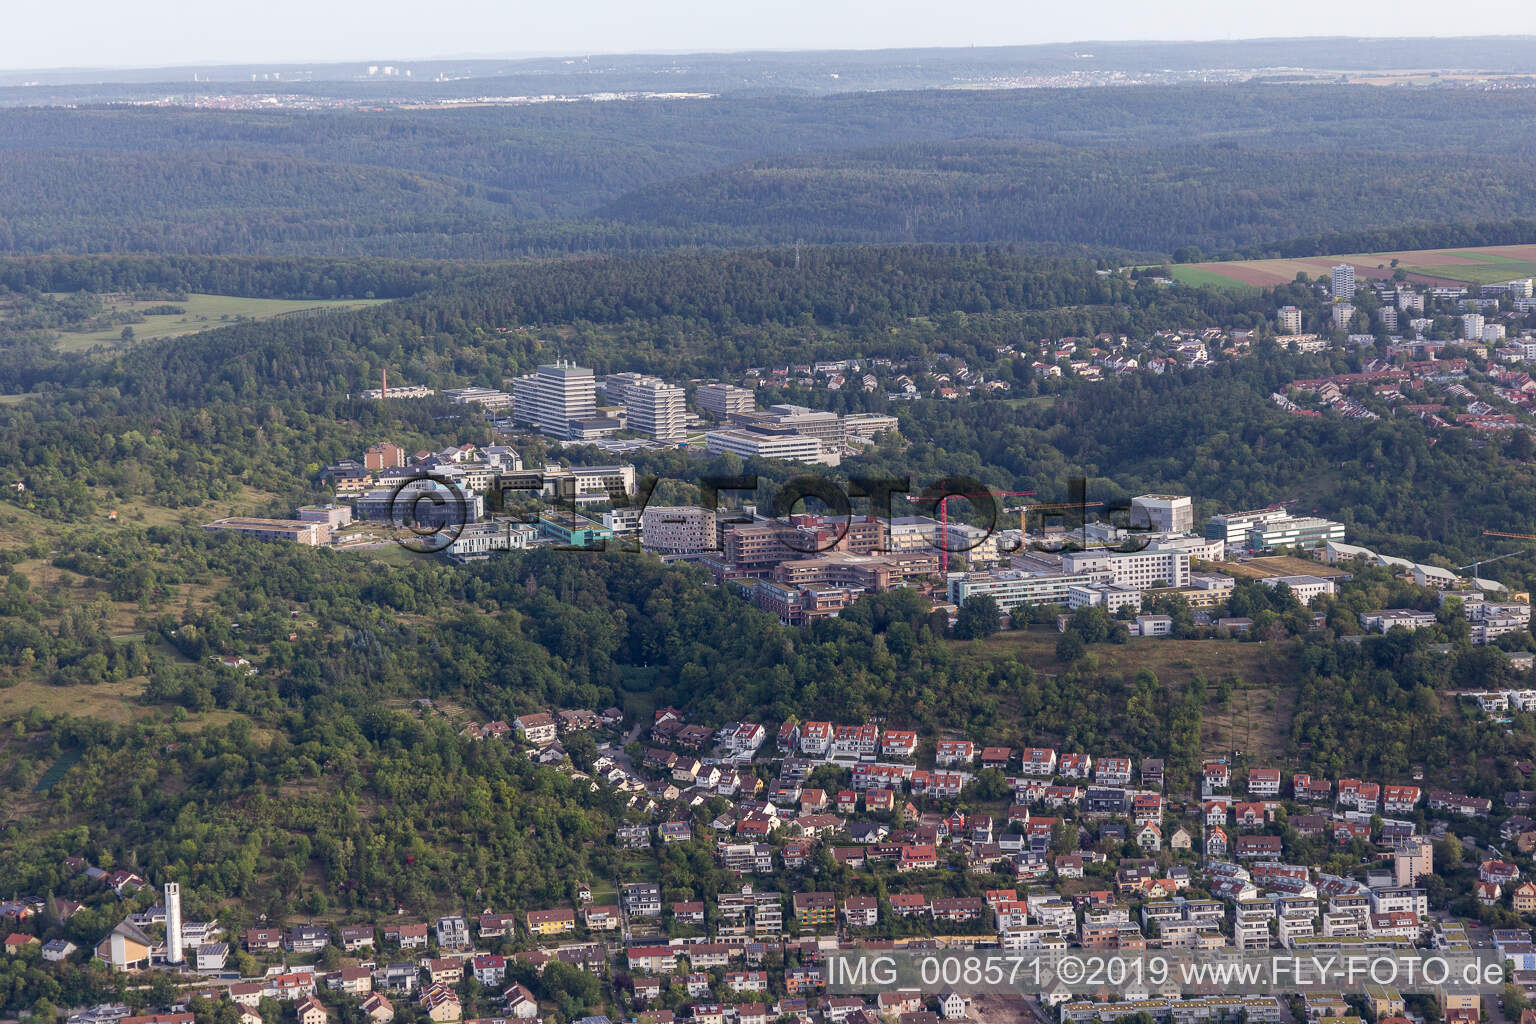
(682, 314)
(1150, 168)
(132, 422)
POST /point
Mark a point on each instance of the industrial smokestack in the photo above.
(173, 923)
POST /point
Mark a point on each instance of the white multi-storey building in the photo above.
(554, 397)
(1165, 513)
(653, 407)
(751, 444)
(721, 400)
(1344, 282)
(1138, 569)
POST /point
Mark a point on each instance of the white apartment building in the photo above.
(680, 529)
(1138, 569)
(1344, 282)
(553, 397)
(1472, 326)
(1343, 313)
(1289, 319)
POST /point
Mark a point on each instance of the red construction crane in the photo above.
(944, 517)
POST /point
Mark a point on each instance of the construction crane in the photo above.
(944, 518)
(1475, 566)
(1055, 506)
(1515, 536)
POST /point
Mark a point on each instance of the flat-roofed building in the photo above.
(722, 400)
(652, 406)
(333, 517)
(1304, 587)
(477, 541)
(1012, 588)
(1165, 513)
(679, 529)
(870, 572)
(817, 423)
(1232, 528)
(292, 530)
(754, 444)
(424, 501)
(867, 425)
(553, 397)
(488, 399)
(1138, 569)
(1294, 532)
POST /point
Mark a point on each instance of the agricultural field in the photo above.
(1485, 265)
(199, 313)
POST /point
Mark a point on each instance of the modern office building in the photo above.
(794, 447)
(1344, 282)
(1232, 527)
(555, 396)
(1294, 532)
(1165, 513)
(723, 400)
(1010, 589)
(825, 426)
(1138, 569)
(652, 406)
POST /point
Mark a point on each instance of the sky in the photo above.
(152, 33)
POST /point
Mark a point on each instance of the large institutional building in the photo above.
(652, 406)
(554, 398)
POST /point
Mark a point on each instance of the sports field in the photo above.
(1485, 265)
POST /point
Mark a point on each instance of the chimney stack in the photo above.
(173, 923)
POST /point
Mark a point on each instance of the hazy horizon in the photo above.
(166, 34)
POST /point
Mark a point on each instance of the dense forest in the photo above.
(1149, 169)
